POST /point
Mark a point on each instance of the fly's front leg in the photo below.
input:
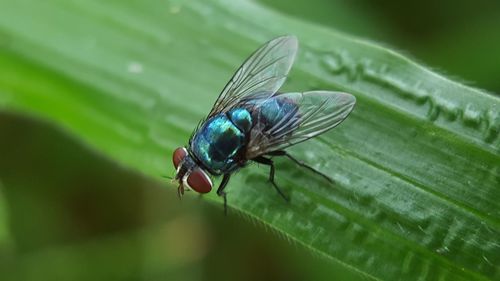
(300, 163)
(270, 163)
(221, 192)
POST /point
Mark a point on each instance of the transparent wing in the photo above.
(260, 76)
(301, 116)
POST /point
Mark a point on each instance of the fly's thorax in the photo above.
(241, 118)
(218, 144)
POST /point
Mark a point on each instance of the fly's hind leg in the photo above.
(300, 163)
(270, 163)
(221, 192)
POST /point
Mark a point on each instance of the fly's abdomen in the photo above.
(218, 143)
(275, 111)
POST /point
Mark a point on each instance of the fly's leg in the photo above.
(221, 192)
(300, 163)
(270, 163)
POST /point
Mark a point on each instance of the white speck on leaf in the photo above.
(135, 67)
(487, 260)
(175, 9)
(443, 250)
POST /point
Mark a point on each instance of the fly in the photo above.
(252, 121)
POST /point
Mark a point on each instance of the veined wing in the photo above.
(260, 76)
(302, 116)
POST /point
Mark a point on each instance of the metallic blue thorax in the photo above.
(219, 141)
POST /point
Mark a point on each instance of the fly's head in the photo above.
(189, 175)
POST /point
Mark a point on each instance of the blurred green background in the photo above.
(66, 213)
(458, 38)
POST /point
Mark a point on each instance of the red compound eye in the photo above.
(199, 181)
(179, 155)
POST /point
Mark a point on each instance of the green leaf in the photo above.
(416, 166)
